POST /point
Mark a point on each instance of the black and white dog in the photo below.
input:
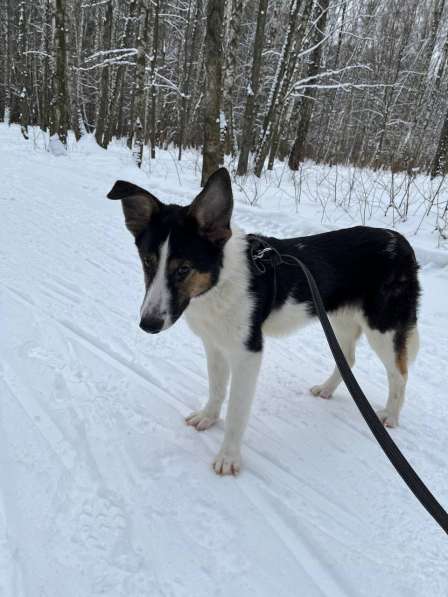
(195, 262)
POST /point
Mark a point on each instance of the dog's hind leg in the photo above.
(218, 379)
(396, 356)
(347, 332)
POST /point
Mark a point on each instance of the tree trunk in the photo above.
(428, 90)
(186, 90)
(267, 131)
(153, 90)
(59, 120)
(247, 136)
(194, 130)
(103, 99)
(298, 150)
(326, 148)
(282, 106)
(213, 65)
(235, 18)
(24, 89)
(139, 95)
(7, 63)
(46, 67)
(115, 118)
(439, 166)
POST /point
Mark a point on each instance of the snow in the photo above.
(56, 147)
(105, 491)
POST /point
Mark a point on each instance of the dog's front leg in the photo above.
(245, 367)
(218, 379)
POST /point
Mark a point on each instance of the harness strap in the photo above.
(261, 252)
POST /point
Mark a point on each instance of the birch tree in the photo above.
(233, 34)
(266, 132)
(306, 106)
(139, 94)
(153, 68)
(24, 78)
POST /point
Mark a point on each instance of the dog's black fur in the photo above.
(370, 268)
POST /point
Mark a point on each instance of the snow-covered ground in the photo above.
(103, 488)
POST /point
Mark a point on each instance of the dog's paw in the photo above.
(387, 418)
(227, 463)
(201, 420)
(321, 391)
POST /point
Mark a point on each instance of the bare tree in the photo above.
(306, 107)
(247, 135)
(7, 62)
(139, 94)
(188, 69)
(24, 74)
(115, 124)
(234, 22)
(439, 164)
(59, 118)
(103, 100)
(273, 104)
(153, 74)
(213, 50)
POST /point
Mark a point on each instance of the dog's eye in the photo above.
(148, 261)
(182, 271)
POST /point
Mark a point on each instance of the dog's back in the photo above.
(371, 269)
(368, 279)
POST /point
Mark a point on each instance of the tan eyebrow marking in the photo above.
(197, 283)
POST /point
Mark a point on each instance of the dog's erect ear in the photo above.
(213, 207)
(138, 205)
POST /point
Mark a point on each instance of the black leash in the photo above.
(263, 255)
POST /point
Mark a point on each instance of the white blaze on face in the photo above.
(157, 298)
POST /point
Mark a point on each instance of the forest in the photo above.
(360, 82)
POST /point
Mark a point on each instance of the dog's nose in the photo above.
(151, 324)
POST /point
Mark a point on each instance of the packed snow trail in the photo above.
(103, 488)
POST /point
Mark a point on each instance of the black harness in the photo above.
(264, 257)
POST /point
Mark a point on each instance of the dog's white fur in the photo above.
(156, 298)
(221, 317)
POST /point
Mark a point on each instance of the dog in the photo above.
(196, 262)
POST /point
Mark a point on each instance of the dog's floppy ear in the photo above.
(213, 207)
(138, 205)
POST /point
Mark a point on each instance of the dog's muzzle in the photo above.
(151, 324)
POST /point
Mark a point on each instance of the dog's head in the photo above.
(181, 248)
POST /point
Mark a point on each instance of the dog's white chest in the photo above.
(219, 320)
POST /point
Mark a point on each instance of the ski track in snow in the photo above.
(105, 491)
